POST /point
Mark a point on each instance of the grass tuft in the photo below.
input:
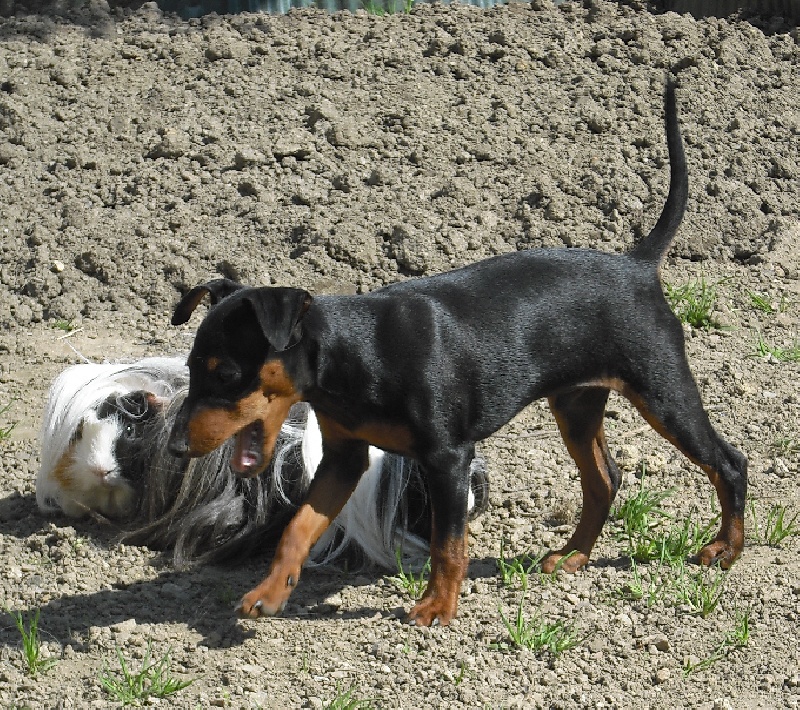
(641, 517)
(153, 680)
(738, 638)
(31, 644)
(344, 700)
(413, 584)
(387, 7)
(780, 523)
(701, 591)
(5, 431)
(536, 634)
(693, 303)
(777, 352)
(517, 568)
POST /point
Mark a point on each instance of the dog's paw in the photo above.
(432, 612)
(268, 598)
(568, 560)
(719, 552)
(253, 607)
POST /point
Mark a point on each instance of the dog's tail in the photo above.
(654, 246)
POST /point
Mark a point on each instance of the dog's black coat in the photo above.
(432, 365)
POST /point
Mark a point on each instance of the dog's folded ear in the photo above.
(279, 312)
(217, 289)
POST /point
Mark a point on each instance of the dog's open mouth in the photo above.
(248, 453)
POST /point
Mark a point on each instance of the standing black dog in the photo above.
(430, 366)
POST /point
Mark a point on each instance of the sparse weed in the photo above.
(152, 681)
(700, 591)
(226, 595)
(682, 541)
(766, 305)
(5, 431)
(32, 644)
(693, 303)
(778, 528)
(387, 7)
(779, 353)
(785, 445)
(537, 634)
(344, 700)
(63, 324)
(518, 568)
(762, 303)
(738, 638)
(641, 514)
(778, 525)
(650, 591)
(414, 585)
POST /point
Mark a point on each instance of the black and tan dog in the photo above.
(430, 366)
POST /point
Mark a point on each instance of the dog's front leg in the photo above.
(448, 485)
(335, 479)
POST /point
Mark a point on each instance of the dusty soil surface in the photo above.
(140, 154)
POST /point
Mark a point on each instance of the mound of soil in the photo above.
(141, 154)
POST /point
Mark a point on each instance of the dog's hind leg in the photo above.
(579, 414)
(671, 404)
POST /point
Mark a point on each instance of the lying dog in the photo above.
(104, 453)
(429, 366)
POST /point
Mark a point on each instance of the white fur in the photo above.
(82, 476)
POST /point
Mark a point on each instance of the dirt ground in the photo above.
(141, 154)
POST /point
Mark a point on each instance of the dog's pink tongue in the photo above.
(247, 455)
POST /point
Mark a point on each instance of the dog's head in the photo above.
(238, 382)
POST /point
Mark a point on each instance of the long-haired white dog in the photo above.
(104, 453)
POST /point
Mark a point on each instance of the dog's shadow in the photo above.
(201, 597)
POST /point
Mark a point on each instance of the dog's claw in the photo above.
(718, 552)
(567, 560)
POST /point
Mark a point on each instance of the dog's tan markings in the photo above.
(212, 363)
(391, 437)
(580, 421)
(729, 542)
(279, 394)
(439, 603)
(311, 520)
(209, 428)
(275, 380)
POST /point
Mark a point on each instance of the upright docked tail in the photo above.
(654, 246)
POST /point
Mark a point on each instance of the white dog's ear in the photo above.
(218, 289)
